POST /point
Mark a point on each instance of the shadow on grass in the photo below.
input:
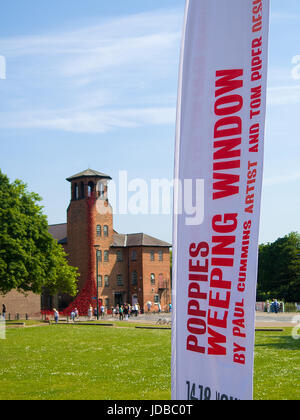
(283, 342)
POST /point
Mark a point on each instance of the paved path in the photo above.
(276, 320)
(262, 319)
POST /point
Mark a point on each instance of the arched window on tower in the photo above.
(75, 192)
(101, 190)
(91, 187)
(81, 190)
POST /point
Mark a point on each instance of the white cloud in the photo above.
(88, 121)
(135, 30)
(107, 75)
(129, 51)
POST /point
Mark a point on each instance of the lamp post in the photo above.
(97, 276)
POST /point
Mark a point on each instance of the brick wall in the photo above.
(113, 269)
(143, 291)
(17, 303)
(161, 271)
(136, 265)
(77, 247)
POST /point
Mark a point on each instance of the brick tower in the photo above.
(89, 224)
(131, 268)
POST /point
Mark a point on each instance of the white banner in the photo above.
(220, 142)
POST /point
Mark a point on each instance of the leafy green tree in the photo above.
(30, 259)
(279, 269)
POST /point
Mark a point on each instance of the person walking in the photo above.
(3, 311)
(90, 312)
(73, 316)
(56, 315)
(121, 315)
(126, 311)
(76, 314)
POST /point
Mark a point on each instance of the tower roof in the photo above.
(89, 173)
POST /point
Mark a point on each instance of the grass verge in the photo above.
(89, 363)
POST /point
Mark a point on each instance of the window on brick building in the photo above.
(98, 230)
(152, 256)
(105, 231)
(160, 255)
(100, 284)
(133, 255)
(73, 193)
(134, 278)
(119, 256)
(99, 256)
(76, 192)
(152, 278)
(106, 256)
(101, 189)
(156, 299)
(106, 281)
(91, 188)
(120, 280)
(106, 303)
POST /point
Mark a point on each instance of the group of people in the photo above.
(123, 311)
(94, 312)
(126, 310)
(275, 307)
(75, 315)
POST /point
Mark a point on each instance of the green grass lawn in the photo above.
(277, 366)
(86, 362)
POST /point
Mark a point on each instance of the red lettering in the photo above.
(226, 81)
(233, 124)
(192, 345)
(225, 186)
(214, 341)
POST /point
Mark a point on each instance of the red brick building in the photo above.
(131, 267)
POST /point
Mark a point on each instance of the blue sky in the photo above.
(94, 84)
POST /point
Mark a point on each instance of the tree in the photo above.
(279, 269)
(30, 259)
